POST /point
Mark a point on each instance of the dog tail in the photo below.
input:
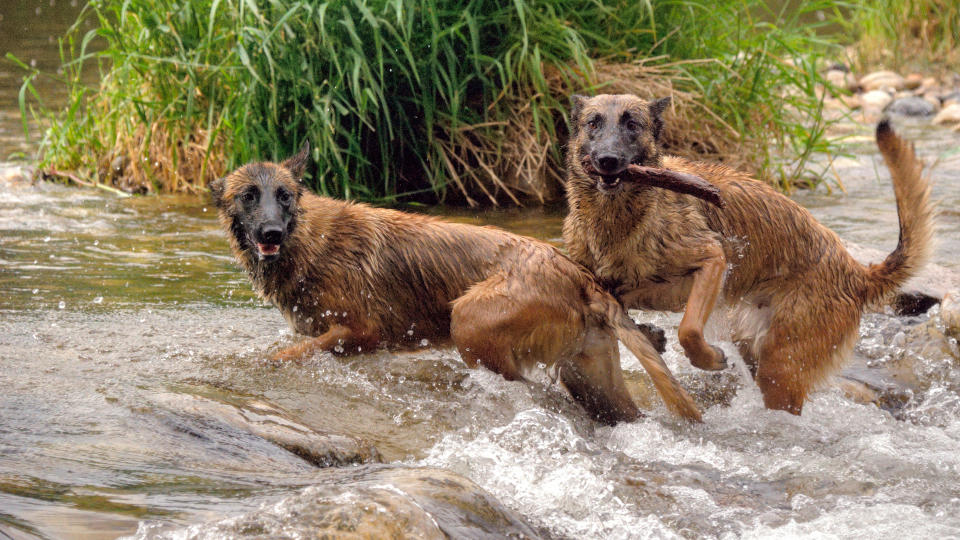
(674, 396)
(912, 191)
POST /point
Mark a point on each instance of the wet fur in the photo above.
(355, 278)
(795, 296)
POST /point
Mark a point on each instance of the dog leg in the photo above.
(707, 283)
(347, 339)
(594, 379)
(805, 341)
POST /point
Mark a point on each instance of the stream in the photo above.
(133, 361)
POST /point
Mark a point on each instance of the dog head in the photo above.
(259, 204)
(613, 131)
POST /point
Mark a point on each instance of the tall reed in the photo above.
(462, 101)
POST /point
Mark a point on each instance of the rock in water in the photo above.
(270, 423)
(912, 106)
(950, 313)
(371, 501)
(948, 115)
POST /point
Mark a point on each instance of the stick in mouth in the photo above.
(680, 182)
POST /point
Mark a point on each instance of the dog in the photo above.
(795, 296)
(355, 278)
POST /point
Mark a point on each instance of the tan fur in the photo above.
(795, 294)
(355, 278)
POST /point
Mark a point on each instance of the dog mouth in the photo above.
(608, 182)
(268, 251)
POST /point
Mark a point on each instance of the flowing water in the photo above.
(118, 316)
(116, 313)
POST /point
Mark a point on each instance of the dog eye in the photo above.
(283, 196)
(632, 125)
(593, 123)
(249, 196)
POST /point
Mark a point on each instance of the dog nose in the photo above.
(272, 235)
(608, 162)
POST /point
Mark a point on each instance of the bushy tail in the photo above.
(674, 396)
(914, 210)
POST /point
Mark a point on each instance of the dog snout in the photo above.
(271, 234)
(608, 163)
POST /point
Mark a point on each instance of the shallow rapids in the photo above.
(130, 344)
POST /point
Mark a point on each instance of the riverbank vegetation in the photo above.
(433, 100)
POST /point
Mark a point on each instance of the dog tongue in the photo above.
(268, 249)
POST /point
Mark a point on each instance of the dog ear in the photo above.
(216, 190)
(576, 107)
(297, 164)
(656, 115)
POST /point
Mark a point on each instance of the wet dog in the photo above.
(795, 294)
(356, 278)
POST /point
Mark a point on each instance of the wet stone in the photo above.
(372, 501)
(273, 424)
(950, 313)
(912, 106)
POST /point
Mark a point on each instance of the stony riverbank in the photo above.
(870, 96)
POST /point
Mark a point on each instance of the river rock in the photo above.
(372, 501)
(841, 79)
(948, 115)
(913, 81)
(271, 423)
(950, 313)
(881, 79)
(951, 98)
(912, 106)
(875, 100)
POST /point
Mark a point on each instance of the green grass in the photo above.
(458, 101)
(916, 34)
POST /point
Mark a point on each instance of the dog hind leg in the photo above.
(594, 379)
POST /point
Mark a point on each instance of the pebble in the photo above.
(913, 81)
(912, 106)
(951, 98)
(875, 99)
(948, 115)
(882, 79)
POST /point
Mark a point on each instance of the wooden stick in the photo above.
(680, 182)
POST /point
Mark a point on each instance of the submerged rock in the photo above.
(273, 424)
(372, 501)
(912, 106)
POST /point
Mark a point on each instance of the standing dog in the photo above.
(795, 294)
(357, 278)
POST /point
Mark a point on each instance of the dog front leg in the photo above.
(707, 284)
(338, 338)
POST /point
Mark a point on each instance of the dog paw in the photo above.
(715, 361)
(656, 335)
(719, 359)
